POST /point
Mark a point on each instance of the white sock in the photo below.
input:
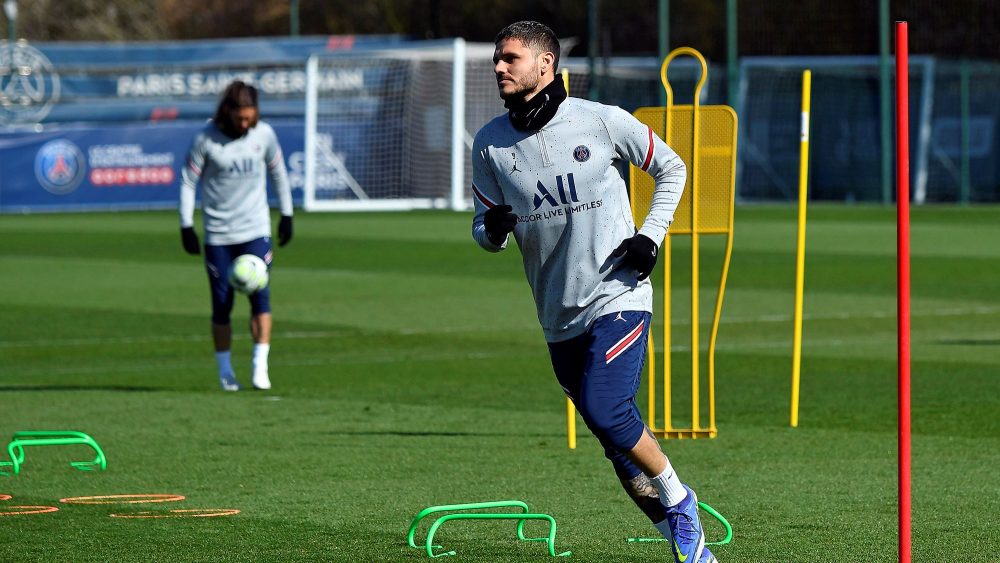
(664, 528)
(260, 352)
(224, 361)
(669, 486)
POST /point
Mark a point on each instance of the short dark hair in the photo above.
(536, 36)
(237, 95)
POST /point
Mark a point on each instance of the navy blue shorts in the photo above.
(217, 261)
(600, 370)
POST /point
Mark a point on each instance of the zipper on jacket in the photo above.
(545, 151)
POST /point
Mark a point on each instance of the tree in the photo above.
(89, 20)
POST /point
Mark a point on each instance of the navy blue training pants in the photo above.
(600, 370)
(217, 262)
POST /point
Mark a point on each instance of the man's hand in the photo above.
(284, 230)
(190, 240)
(638, 253)
(499, 221)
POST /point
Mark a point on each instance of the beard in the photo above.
(521, 87)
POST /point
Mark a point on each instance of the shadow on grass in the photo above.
(116, 388)
(437, 434)
(971, 342)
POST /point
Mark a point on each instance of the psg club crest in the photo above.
(581, 153)
(59, 166)
(29, 84)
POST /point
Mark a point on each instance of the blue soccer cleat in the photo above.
(707, 557)
(228, 382)
(688, 538)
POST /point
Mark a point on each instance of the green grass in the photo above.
(410, 371)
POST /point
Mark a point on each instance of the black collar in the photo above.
(539, 110)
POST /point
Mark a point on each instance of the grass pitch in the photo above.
(409, 371)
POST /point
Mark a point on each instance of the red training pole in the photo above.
(903, 281)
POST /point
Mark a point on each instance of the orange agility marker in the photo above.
(122, 499)
(22, 510)
(5, 497)
(180, 513)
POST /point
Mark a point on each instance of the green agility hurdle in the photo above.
(522, 517)
(26, 438)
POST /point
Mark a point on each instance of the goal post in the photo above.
(386, 129)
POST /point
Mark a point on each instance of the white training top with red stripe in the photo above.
(567, 185)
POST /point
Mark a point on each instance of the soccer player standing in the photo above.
(552, 172)
(229, 157)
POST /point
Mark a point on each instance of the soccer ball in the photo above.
(248, 274)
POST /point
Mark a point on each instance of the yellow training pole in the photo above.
(667, 396)
(695, 264)
(570, 424)
(800, 251)
(570, 408)
(651, 350)
(665, 258)
(651, 363)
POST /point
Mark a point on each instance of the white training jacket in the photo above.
(567, 185)
(234, 184)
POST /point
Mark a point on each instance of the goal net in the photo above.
(846, 131)
(392, 129)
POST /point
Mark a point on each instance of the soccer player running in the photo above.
(229, 156)
(552, 172)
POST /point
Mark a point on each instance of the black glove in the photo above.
(190, 240)
(284, 230)
(638, 253)
(499, 221)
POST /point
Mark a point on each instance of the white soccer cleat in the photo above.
(228, 382)
(261, 381)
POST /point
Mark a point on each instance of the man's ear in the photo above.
(547, 60)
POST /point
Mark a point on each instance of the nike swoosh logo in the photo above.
(680, 556)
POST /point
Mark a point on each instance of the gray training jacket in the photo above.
(567, 185)
(234, 185)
